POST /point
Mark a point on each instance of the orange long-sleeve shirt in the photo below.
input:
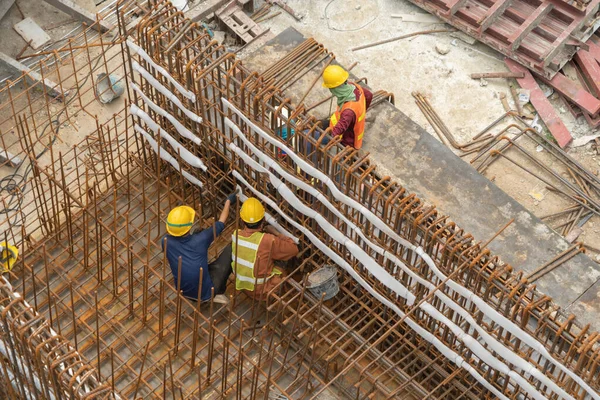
(272, 248)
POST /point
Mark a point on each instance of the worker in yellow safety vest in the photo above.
(255, 248)
(353, 100)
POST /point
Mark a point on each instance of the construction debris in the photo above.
(235, 20)
(366, 46)
(421, 18)
(35, 36)
(543, 107)
(492, 75)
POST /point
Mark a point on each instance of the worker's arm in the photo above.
(271, 229)
(231, 200)
(346, 121)
(368, 97)
(283, 248)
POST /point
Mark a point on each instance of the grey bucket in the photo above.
(324, 280)
(106, 91)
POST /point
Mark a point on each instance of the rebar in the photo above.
(96, 232)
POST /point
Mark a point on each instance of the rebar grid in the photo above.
(138, 332)
(219, 76)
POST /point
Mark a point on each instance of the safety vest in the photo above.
(359, 108)
(247, 250)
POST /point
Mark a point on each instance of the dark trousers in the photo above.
(220, 270)
(316, 135)
(325, 122)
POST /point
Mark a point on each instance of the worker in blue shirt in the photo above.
(192, 249)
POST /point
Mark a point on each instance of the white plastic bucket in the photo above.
(324, 280)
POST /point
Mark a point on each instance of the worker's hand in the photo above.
(232, 198)
(271, 229)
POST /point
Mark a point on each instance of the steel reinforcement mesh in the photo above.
(116, 325)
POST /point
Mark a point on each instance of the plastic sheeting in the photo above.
(185, 154)
(166, 156)
(165, 92)
(182, 130)
(138, 50)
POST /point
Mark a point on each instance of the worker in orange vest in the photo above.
(353, 100)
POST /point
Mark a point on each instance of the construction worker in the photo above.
(254, 250)
(192, 250)
(353, 101)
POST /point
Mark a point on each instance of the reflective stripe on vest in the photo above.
(247, 250)
(359, 108)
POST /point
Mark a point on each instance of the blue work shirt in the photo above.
(193, 250)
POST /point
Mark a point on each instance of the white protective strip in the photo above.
(479, 302)
(446, 351)
(166, 156)
(391, 283)
(138, 50)
(245, 263)
(258, 281)
(244, 243)
(494, 344)
(166, 92)
(183, 131)
(269, 218)
(187, 156)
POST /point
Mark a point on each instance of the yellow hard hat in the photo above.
(180, 220)
(252, 211)
(334, 76)
(8, 257)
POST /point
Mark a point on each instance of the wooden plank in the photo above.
(76, 11)
(32, 33)
(543, 107)
(529, 24)
(489, 75)
(493, 13)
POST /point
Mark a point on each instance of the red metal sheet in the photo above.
(590, 69)
(543, 107)
(542, 35)
(574, 93)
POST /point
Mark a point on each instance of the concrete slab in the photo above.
(31, 31)
(76, 11)
(14, 67)
(5, 5)
(405, 151)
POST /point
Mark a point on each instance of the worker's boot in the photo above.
(221, 299)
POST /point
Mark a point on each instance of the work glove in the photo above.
(232, 198)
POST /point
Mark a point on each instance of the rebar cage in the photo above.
(90, 309)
